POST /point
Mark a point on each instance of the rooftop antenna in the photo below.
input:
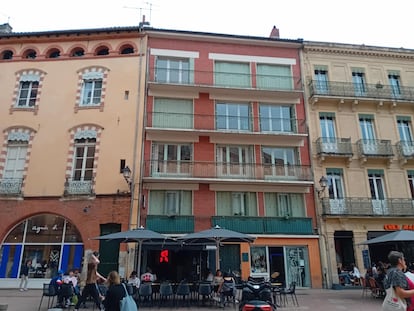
(141, 16)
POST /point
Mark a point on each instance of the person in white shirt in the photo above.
(148, 276)
(134, 281)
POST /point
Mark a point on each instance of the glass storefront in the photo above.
(292, 263)
(51, 242)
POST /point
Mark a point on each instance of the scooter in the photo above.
(256, 296)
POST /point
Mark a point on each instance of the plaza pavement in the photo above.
(309, 299)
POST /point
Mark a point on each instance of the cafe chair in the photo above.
(291, 291)
(166, 293)
(205, 291)
(50, 293)
(182, 293)
(145, 293)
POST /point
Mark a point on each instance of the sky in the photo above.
(370, 22)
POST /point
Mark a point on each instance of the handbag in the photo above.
(127, 303)
(392, 302)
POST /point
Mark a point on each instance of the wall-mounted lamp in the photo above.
(126, 172)
(323, 182)
(86, 209)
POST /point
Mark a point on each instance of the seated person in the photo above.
(134, 281)
(64, 291)
(344, 276)
(227, 288)
(148, 276)
(209, 276)
(217, 280)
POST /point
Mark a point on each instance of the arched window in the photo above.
(77, 52)
(8, 54)
(53, 53)
(30, 54)
(127, 49)
(102, 50)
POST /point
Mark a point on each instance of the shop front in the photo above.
(49, 241)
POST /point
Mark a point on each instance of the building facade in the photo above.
(359, 101)
(69, 123)
(226, 144)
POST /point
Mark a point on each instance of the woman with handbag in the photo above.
(396, 285)
(115, 292)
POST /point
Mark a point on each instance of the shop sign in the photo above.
(394, 227)
(37, 229)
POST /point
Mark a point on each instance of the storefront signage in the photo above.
(37, 229)
(394, 227)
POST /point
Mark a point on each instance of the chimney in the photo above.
(5, 28)
(275, 33)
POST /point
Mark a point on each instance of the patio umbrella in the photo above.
(215, 235)
(139, 235)
(396, 236)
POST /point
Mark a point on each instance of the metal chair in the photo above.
(183, 291)
(289, 291)
(205, 292)
(145, 293)
(166, 293)
(50, 293)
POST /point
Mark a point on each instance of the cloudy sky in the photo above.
(369, 22)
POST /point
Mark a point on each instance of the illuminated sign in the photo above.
(395, 227)
(164, 255)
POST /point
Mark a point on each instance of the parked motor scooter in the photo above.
(256, 296)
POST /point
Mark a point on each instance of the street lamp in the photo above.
(126, 172)
(323, 182)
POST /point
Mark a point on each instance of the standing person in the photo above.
(91, 286)
(24, 275)
(115, 293)
(396, 277)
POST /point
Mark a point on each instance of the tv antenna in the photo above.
(149, 4)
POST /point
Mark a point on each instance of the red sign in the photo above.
(395, 227)
(164, 255)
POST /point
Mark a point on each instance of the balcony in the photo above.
(265, 225)
(11, 187)
(170, 224)
(374, 148)
(227, 84)
(350, 90)
(405, 150)
(367, 207)
(78, 187)
(220, 171)
(334, 146)
(288, 130)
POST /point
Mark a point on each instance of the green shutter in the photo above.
(338, 171)
(375, 172)
(327, 114)
(404, 118)
(410, 173)
(366, 116)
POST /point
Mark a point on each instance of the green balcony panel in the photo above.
(167, 224)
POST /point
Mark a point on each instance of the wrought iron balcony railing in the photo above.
(224, 170)
(334, 146)
(375, 148)
(170, 224)
(225, 123)
(359, 90)
(367, 207)
(78, 187)
(225, 79)
(405, 149)
(265, 225)
(11, 186)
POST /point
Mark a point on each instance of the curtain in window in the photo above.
(232, 74)
(274, 77)
(173, 113)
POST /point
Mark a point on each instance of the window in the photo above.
(279, 161)
(77, 52)
(274, 77)
(366, 123)
(29, 54)
(395, 82)
(236, 203)
(127, 49)
(102, 50)
(53, 53)
(234, 161)
(84, 158)
(328, 133)
(376, 185)
(404, 128)
(276, 118)
(321, 80)
(172, 70)
(92, 89)
(28, 90)
(7, 54)
(410, 175)
(232, 74)
(173, 113)
(284, 205)
(358, 79)
(170, 202)
(335, 183)
(171, 158)
(233, 116)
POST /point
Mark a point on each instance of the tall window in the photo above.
(276, 118)
(28, 90)
(321, 80)
(376, 185)
(327, 124)
(83, 159)
(232, 74)
(172, 70)
(170, 202)
(284, 204)
(233, 116)
(274, 77)
(366, 123)
(12, 179)
(410, 175)
(92, 88)
(279, 161)
(335, 183)
(358, 79)
(395, 82)
(234, 160)
(173, 113)
(404, 128)
(236, 203)
(171, 158)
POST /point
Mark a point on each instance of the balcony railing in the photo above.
(405, 149)
(368, 207)
(223, 170)
(349, 89)
(170, 224)
(78, 187)
(222, 123)
(11, 186)
(265, 225)
(334, 146)
(374, 148)
(224, 79)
